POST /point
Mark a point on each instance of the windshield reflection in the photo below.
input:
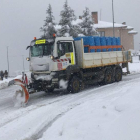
(42, 50)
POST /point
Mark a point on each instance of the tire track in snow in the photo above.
(28, 110)
(40, 132)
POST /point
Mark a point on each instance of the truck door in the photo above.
(66, 51)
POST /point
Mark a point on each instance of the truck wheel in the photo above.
(118, 74)
(108, 76)
(74, 85)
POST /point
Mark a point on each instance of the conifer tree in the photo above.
(87, 24)
(48, 27)
(67, 16)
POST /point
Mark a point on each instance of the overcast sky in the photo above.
(20, 21)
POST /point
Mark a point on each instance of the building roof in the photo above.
(104, 24)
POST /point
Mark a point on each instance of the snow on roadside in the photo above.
(111, 117)
(133, 67)
(4, 83)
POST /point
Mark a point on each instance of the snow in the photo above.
(57, 27)
(129, 28)
(134, 67)
(63, 84)
(110, 112)
(4, 83)
(112, 117)
(77, 21)
(135, 59)
(43, 77)
(104, 24)
(66, 35)
(19, 99)
(132, 32)
(101, 24)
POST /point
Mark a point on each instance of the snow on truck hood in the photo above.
(40, 63)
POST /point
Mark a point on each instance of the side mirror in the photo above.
(28, 47)
(28, 59)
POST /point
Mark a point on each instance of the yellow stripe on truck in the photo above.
(40, 41)
(72, 58)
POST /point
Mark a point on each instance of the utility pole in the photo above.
(23, 63)
(100, 14)
(113, 18)
(7, 60)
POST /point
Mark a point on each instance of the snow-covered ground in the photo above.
(134, 67)
(4, 83)
(110, 112)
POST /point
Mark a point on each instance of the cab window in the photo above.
(64, 47)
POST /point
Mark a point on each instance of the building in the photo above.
(126, 33)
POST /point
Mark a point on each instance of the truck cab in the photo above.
(45, 55)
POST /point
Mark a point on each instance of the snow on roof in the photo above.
(132, 32)
(129, 28)
(104, 24)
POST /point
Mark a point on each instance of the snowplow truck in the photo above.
(80, 61)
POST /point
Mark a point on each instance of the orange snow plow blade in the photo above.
(24, 89)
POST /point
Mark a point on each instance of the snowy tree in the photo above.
(48, 27)
(87, 24)
(67, 16)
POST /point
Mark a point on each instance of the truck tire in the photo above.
(108, 76)
(118, 74)
(74, 85)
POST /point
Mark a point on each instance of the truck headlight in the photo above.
(28, 59)
(52, 57)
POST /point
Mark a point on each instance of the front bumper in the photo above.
(41, 81)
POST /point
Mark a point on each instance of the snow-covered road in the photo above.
(85, 115)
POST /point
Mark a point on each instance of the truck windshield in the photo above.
(41, 50)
